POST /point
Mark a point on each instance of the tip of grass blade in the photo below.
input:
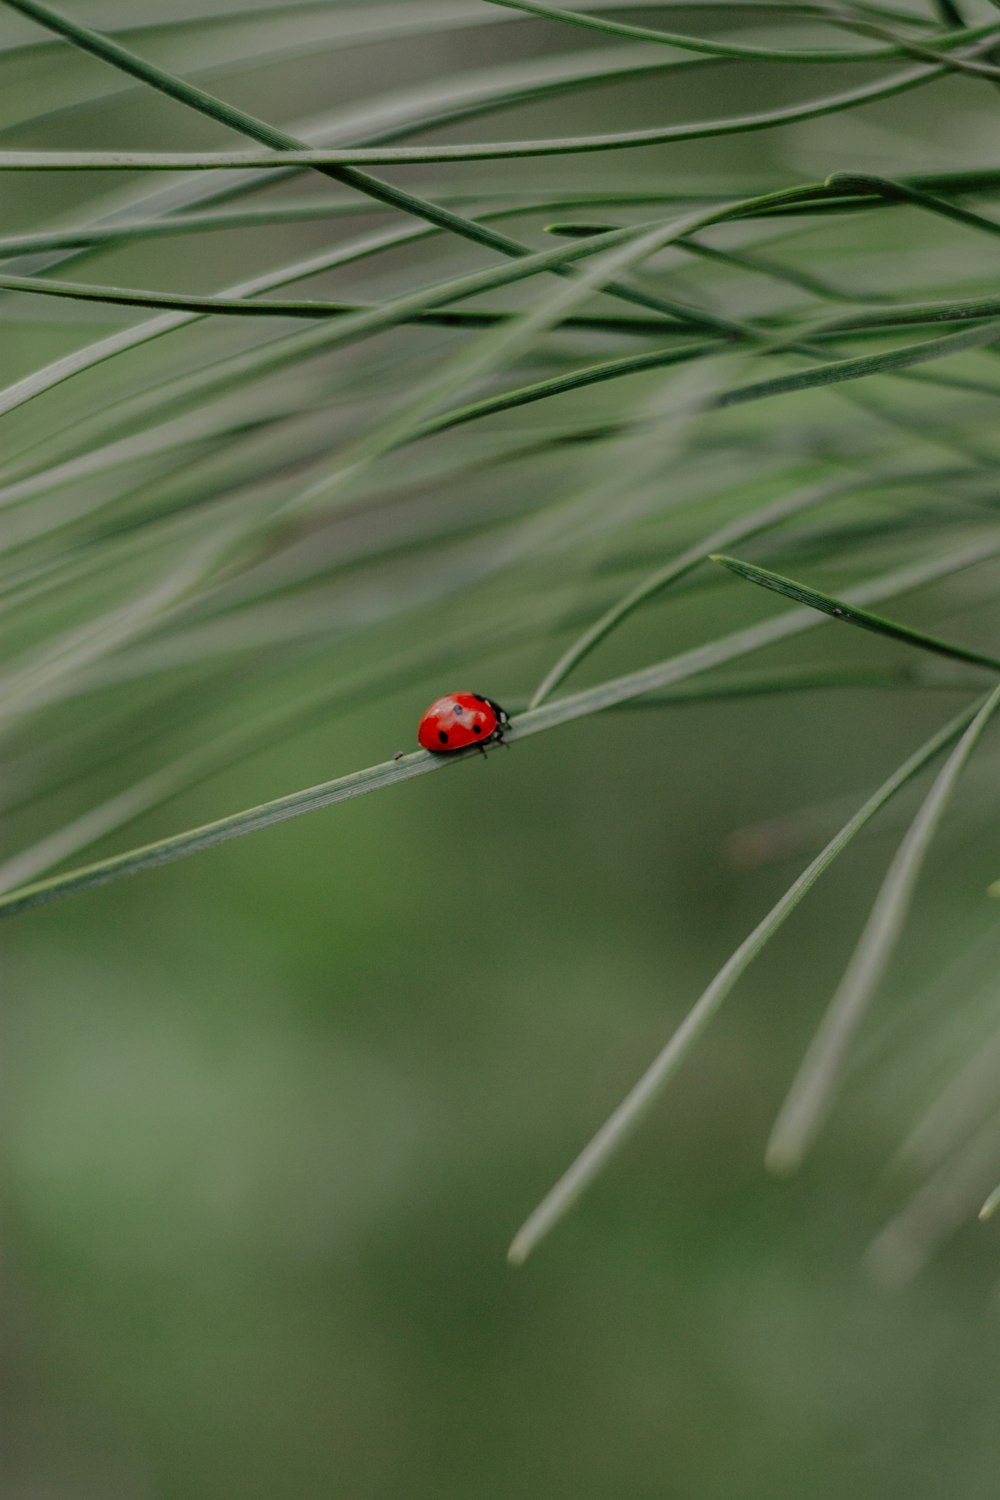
(579, 229)
(517, 1253)
(781, 1157)
(991, 1205)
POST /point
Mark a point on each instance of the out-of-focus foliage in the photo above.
(273, 1113)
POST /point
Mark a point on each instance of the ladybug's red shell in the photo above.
(459, 720)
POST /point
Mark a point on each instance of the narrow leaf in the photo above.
(852, 614)
(812, 1091)
(628, 1116)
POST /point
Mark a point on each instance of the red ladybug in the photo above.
(462, 719)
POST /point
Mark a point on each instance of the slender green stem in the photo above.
(811, 1093)
(649, 587)
(852, 614)
(624, 1121)
(900, 47)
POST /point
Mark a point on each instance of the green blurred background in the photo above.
(272, 1114)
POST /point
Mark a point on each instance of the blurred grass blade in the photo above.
(938, 1210)
(851, 614)
(636, 1104)
(991, 1205)
(812, 1091)
(31, 683)
(496, 346)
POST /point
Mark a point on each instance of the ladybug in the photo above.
(462, 719)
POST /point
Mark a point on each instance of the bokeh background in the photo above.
(272, 1114)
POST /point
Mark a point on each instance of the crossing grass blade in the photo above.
(812, 1091)
(621, 1125)
(936, 44)
(850, 614)
(648, 588)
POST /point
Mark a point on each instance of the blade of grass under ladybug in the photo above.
(563, 710)
(264, 732)
(622, 1123)
(851, 614)
(811, 1094)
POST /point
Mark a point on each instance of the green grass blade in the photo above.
(345, 158)
(649, 587)
(851, 614)
(938, 1210)
(957, 38)
(635, 1106)
(286, 146)
(991, 1205)
(903, 358)
(811, 1093)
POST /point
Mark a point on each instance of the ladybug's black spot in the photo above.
(479, 698)
(477, 729)
(458, 709)
(443, 736)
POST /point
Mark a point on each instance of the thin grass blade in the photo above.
(811, 1094)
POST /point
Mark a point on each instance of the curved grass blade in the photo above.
(811, 1093)
(744, 527)
(349, 325)
(634, 1107)
(343, 163)
(851, 614)
(286, 146)
(864, 365)
(899, 48)
(893, 190)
